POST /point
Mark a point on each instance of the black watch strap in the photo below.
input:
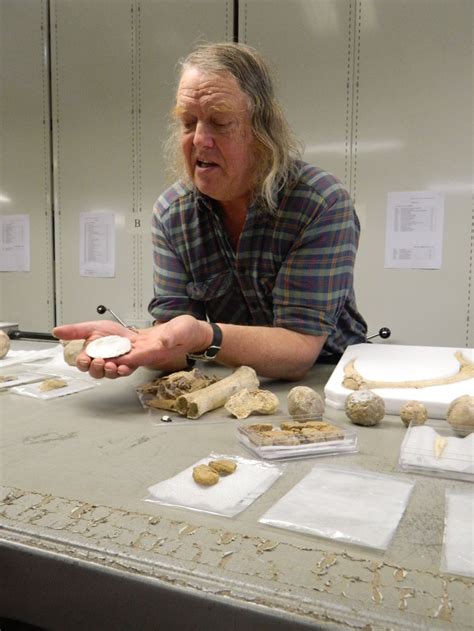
(212, 350)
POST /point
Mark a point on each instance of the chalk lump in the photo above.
(304, 401)
(364, 407)
(413, 411)
(460, 415)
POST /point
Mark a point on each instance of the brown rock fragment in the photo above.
(204, 475)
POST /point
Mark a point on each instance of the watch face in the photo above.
(213, 348)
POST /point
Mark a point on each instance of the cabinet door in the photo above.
(113, 84)
(413, 132)
(380, 92)
(26, 297)
(310, 45)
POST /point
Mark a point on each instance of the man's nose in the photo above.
(203, 135)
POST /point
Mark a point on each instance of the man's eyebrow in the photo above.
(222, 108)
(178, 110)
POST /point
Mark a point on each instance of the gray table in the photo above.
(80, 549)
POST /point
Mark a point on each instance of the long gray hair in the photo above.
(277, 148)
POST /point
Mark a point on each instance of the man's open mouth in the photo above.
(203, 164)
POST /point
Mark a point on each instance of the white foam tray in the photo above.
(389, 362)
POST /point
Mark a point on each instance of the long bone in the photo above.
(353, 380)
(195, 404)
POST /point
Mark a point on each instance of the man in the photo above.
(250, 238)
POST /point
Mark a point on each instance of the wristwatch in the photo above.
(212, 350)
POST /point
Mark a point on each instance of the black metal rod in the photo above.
(31, 335)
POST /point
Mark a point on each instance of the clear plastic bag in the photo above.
(72, 386)
(20, 378)
(346, 505)
(22, 356)
(458, 539)
(231, 495)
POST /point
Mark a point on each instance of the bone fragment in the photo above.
(353, 380)
(4, 344)
(246, 402)
(164, 391)
(440, 445)
(195, 404)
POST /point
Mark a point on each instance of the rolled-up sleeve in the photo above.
(170, 277)
(316, 279)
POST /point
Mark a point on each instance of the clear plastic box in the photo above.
(436, 449)
(298, 437)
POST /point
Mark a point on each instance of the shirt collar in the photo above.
(257, 210)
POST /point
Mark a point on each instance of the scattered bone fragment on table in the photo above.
(246, 402)
(353, 380)
(195, 404)
(162, 393)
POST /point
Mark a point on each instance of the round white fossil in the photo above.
(4, 344)
(71, 351)
(364, 407)
(109, 346)
(304, 401)
(460, 415)
(413, 411)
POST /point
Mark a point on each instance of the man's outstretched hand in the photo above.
(162, 347)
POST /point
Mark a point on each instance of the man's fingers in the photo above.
(124, 371)
(96, 368)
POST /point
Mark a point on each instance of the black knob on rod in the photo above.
(101, 309)
(384, 333)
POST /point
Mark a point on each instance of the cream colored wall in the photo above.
(380, 91)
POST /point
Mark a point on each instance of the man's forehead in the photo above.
(220, 92)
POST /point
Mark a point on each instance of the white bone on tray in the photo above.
(387, 362)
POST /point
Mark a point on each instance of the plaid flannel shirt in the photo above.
(293, 268)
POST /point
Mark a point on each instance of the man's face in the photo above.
(216, 135)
